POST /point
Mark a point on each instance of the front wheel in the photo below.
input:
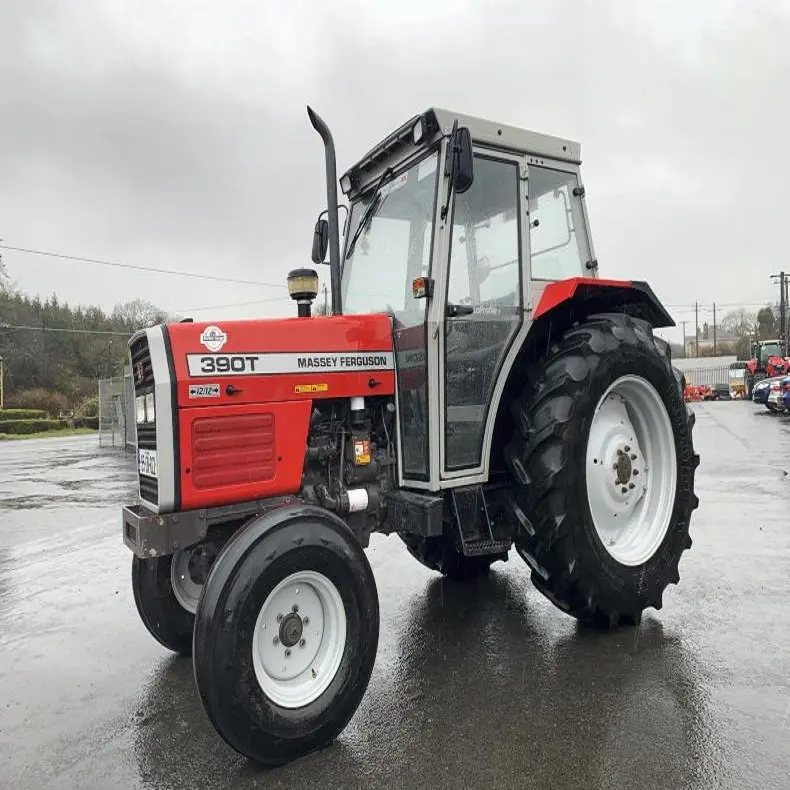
(286, 634)
(603, 468)
(166, 592)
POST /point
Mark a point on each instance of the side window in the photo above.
(558, 241)
(484, 303)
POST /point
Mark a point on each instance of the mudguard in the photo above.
(597, 295)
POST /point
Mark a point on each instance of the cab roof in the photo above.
(439, 123)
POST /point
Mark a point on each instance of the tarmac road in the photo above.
(480, 686)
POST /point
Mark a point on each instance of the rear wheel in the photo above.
(603, 469)
(286, 634)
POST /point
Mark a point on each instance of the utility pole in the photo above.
(683, 324)
(782, 308)
(696, 328)
(2, 393)
(714, 329)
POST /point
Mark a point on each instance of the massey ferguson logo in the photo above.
(213, 338)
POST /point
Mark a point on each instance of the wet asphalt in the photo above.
(486, 685)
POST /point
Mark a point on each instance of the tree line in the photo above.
(40, 359)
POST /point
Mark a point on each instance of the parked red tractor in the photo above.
(768, 359)
(476, 388)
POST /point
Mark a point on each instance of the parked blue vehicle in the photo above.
(762, 389)
(784, 393)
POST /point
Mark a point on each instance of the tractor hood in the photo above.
(281, 359)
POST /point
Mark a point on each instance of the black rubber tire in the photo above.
(441, 554)
(252, 563)
(546, 457)
(164, 617)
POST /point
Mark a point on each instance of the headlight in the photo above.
(150, 412)
(139, 407)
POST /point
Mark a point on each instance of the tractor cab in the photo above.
(455, 227)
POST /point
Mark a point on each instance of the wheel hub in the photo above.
(623, 468)
(291, 629)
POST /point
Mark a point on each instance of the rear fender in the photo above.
(580, 297)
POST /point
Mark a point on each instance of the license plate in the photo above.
(146, 463)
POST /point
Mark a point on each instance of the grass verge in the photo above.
(49, 434)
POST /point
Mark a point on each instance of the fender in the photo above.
(596, 295)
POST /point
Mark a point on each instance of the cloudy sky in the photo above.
(174, 134)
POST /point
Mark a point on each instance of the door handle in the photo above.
(454, 310)
(231, 390)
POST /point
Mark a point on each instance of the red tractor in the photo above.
(477, 388)
(767, 360)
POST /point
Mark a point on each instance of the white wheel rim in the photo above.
(631, 468)
(186, 590)
(299, 640)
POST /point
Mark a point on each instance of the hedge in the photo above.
(87, 422)
(21, 427)
(23, 414)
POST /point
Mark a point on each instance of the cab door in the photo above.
(484, 305)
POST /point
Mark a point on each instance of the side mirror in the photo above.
(320, 241)
(463, 174)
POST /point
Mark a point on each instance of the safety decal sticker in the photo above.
(204, 390)
(301, 389)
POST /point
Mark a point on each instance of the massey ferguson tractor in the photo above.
(767, 361)
(476, 388)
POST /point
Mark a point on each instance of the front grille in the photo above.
(143, 374)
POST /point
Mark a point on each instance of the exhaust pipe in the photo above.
(331, 205)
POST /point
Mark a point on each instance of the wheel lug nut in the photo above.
(306, 620)
(614, 466)
(287, 652)
(276, 640)
(301, 643)
(633, 456)
(295, 608)
(624, 490)
(627, 449)
(630, 485)
(635, 472)
(619, 452)
(279, 618)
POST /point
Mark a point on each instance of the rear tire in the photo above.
(564, 457)
(269, 706)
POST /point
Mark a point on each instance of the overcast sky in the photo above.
(174, 133)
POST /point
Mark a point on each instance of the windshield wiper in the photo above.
(369, 212)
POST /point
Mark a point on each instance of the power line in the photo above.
(232, 304)
(70, 331)
(115, 264)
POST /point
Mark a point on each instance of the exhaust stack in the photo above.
(331, 205)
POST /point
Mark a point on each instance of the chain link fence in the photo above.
(116, 412)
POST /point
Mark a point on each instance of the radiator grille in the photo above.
(143, 374)
(233, 450)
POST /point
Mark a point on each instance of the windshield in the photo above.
(395, 246)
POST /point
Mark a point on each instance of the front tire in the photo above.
(159, 608)
(603, 402)
(286, 634)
